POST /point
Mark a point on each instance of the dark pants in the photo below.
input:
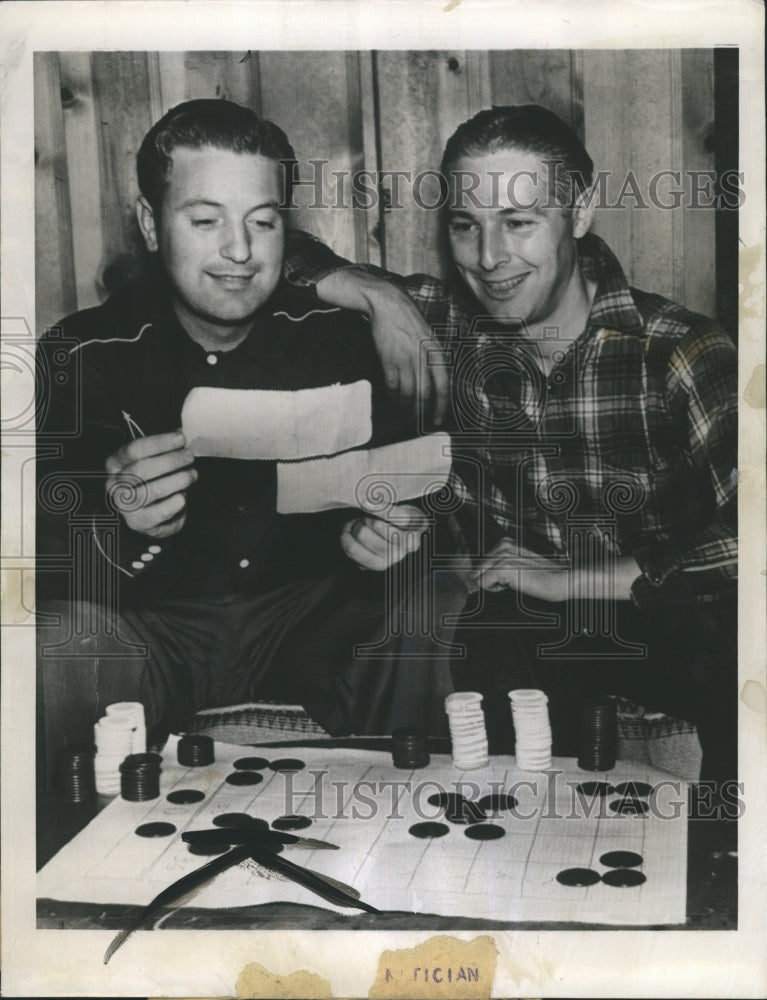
(678, 660)
(353, 648)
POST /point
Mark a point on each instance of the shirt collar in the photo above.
(613, 307)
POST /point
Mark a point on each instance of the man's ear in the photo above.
(146, 223)
(583, 213)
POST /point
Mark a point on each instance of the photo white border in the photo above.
(530, 963)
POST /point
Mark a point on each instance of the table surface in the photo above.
(712, 882)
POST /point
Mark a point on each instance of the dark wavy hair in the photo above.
(208, 122)
(530, 128)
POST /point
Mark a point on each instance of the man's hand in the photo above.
(377, 543)
(401, 335)
(147, 481)
(513, 566)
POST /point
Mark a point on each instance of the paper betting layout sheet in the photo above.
(357, 800)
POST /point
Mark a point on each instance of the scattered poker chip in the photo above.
(244, 778)
(287, 764)
(624, 878)
(441, 799)
(426, 830)
(251, 763)
(484, 831)
(286, 823)
(591, 788)
(240, 821)
(497, 802)
(185, 796)
(195, 751)
(578, 877)
(155, 830)
(634, 789)
(629, 807)
(621, 859)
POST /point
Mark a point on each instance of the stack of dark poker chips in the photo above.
(75, 779)
(140, 777)
(195, 751)
(598, 735)
(410, 748)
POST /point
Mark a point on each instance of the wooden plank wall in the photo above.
(643, 111)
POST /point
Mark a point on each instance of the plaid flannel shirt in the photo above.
(627, 447)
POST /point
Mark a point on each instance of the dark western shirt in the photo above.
(124, 368)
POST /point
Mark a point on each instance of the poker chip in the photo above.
(634, 789)
(467, 730)
(428, 830)
(629, 807)
(598, 735)
(484, 831)
(185, 796)
(287, 823)
(497, 802)
(624, 878)
(251, 763)
(240, 821)
(410, 748)
(140, 777)
(244, 778)
(621, 859)
(155, 830)
(195, 751)
(74, 776)
(591, 788)
(287, 764)
(532, 729)
(578, 877)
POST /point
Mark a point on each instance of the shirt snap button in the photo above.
(212, 359)
(244, 563)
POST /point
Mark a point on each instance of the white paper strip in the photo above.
(372, 479)
(268, 424)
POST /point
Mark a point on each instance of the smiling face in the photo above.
(513, 246)
(221, 239)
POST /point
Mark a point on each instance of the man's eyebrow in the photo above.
(193, 202)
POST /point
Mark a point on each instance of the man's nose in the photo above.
(492, 249)
(236, 243)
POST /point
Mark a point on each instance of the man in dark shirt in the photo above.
(166, 577)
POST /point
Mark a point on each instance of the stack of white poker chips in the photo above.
(529, 710)
(122, 731)
(467, 729)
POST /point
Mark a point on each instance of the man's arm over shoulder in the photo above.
(403, 313)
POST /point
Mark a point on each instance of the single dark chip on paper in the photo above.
(578, 876)
(621, 859)
(624, 878)
(185, 796)
(155, 830)
(287, 764)
(634, 789)
(485, 831)
(291, 823)
(251, 763)
(244, 778)
(426, 830)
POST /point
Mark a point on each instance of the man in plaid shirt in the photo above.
(595, 428)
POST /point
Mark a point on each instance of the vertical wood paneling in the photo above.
(424, 96)
(640, 111)
(54, 254)
(552, 78)
(699, 225)
(82, 150)
(307, 94)
(122, 125)
(629, 117)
